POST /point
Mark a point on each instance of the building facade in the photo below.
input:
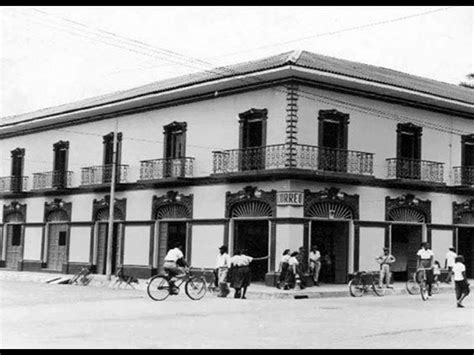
(292, 150)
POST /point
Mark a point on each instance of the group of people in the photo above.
(293, 268)
(425, 259)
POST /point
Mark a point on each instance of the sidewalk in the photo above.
(255, 290)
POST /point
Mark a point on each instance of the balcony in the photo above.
(413, 169)
(166, 168)
(13, 184)
(102, 174)
(297, 156)
(57, 179)
(463, 175)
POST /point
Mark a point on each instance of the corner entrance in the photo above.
(406, 241)
(466, 249)
(332, 239)
(253, 236)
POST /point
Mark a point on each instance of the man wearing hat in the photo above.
(385, 260)
(222, 268)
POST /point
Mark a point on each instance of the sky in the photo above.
(55, 55)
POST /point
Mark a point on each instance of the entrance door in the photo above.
(14, 250)
(466, 249)
(253, 237)
(332, 239)
(171, 233)
(57, 246)
(406, 241)
(102, 248)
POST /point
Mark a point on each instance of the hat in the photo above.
(224, 247)
(386, 249)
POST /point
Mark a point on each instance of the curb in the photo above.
(101, 281)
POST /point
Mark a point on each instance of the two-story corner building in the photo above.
(288, 151)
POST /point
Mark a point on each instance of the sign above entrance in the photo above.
(289, 198)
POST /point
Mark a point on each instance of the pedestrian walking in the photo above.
(302, 267)
(222, 268)
(385, 260)
(425, 259)
(436, 272)
(283, 268)
(240, 272)
(315, 264)
(460, 280)
(292, 274)
(449, 262)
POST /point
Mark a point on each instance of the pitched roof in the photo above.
(301, 59)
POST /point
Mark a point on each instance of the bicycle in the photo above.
(417, 284)
(82, 277)
(362, 282)
(159, 287)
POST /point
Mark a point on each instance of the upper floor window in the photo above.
(333, 128)
(467, 150)
(61, 152)
(174, 140)
(109, 148)
(17, 156)
(408, 141)
(253, 128)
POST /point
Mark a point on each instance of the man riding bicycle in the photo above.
(175, 265)
(425, 258)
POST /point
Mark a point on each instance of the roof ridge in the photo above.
(294, 56)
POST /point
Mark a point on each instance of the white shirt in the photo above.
(314, 256)
(293, 261)
(285, 258)
(241, 260)
(174, 255)
(223, 260)
(458, 268)
(425, 253)
(450, 258)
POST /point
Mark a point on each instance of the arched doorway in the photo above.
(14, 217)
(172, 213)
(250, 211)
(57, 243)
(101, 217)
(408, 215)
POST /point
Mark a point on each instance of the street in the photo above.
(37, 315)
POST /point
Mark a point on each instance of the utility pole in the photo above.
(110, 230)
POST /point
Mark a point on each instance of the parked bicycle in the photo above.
(362, 282)
(82, 277)
(159, 287)
(417, 284)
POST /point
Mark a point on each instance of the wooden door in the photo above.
(102, 237)
(14, 249)
(57, 246)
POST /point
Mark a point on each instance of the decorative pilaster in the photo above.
(291, 124)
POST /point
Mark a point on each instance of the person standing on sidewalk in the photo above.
(315, 264)
(425, 259)
(241, 274)
(222, 267)
(449, 262)
(460, 280)
(385, 260)
(283, 268)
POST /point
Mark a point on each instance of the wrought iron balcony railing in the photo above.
(423, 170)
(165, 168)
(13, 183)
(463, 175)
(102, 174)
(297, 156)
(57, 179)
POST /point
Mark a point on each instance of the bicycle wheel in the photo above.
(412, 287)
(423, 290)
(195, 288)
(158, 288)
(356, 288)
(379, 291)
